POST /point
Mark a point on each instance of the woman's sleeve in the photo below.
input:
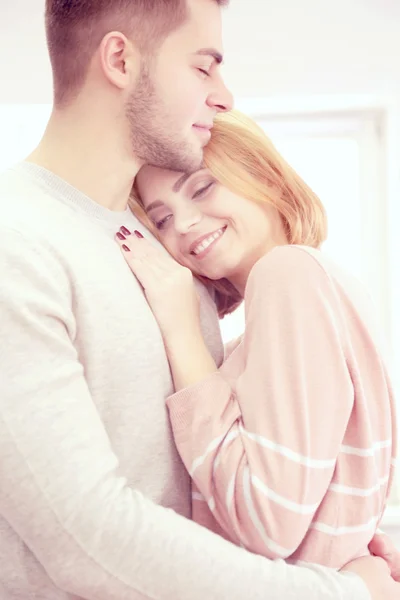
(260, 437)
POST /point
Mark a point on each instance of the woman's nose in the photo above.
(186, 220)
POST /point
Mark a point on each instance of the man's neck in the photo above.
(93, 157)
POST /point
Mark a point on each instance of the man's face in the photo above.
(172, 108)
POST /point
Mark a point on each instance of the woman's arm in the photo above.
(270, 580)
(262, 447)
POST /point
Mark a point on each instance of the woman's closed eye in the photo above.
(202, 191)
(161, 223)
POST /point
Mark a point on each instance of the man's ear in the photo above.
(119, 60)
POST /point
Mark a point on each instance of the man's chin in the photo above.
(189, 163)
(192, 162)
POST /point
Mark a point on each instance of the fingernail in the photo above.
(120, 236)
(138, 234)
(125, 230)
(125, 248)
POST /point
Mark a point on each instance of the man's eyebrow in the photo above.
(217, 56)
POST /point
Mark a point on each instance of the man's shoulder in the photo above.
(16, 196)
(24, 207)
(13, 182)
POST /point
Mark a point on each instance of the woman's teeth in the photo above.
(205, 243)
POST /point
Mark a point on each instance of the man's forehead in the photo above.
(204, 23)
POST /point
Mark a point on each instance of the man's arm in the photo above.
(60, 487)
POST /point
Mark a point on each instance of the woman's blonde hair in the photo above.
(244, 160)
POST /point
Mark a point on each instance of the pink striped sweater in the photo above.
(291, 443)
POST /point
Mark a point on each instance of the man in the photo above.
(88, 470)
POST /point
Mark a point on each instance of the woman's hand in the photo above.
(170, 291)
(382, 546)
(375, 573)
(168, 286)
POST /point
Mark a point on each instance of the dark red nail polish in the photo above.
(120, 236)
(125, 248)
(125, 231)
(138, 234)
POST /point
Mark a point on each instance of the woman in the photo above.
(291, 442)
